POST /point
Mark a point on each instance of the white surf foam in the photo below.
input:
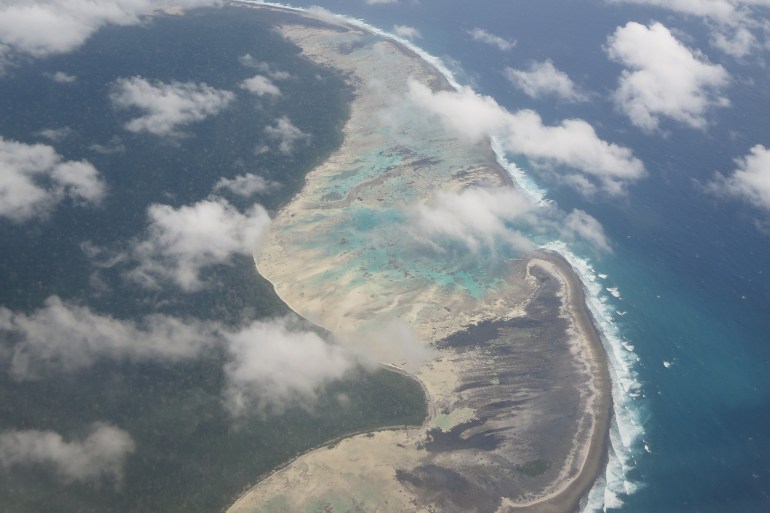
(626, 433)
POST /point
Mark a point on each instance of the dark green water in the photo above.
(191, 455)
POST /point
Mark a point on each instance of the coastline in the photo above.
(404, 453)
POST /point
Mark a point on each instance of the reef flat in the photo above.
(512, 365)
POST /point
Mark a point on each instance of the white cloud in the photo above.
(34, 179)
(100, 455)
(573, 143)
(493, 219)
(543, 79)
(579, 225)
(719, 10)
(406, 31)
(63, 78)
(483, 36)
(324, 15)
(246, 185)
(750, 180)
(272, 363)
(181, 242)
(44, 27)
(260, 86)
(167, 107)
(61, 337)
(476, 217)
(666, 79)
(286, 134)
(381, 2)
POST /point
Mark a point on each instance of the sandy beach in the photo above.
(512, 364)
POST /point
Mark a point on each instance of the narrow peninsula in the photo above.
(512, 364)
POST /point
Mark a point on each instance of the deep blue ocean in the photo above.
(690, 328)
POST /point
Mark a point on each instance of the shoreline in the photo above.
(569, 497)
(439, 377)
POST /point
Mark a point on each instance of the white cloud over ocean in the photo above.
(572, 144)
(99, 456)
(44, 27)
(484, 36)
(34, 178)
(180, 242)
(664, 79)
(167, 107)
(749, 181)
(544, 79)
(261, 86)
(286, 135)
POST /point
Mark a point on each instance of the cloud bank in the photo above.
(181, 242)
(167, 107)
(34, 179)
(665, 79)
(101, 455)
(543, 79)
(600, 166)
(750, 181)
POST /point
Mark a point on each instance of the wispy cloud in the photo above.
(166, 107)
(483, 36)
(181, 242)
(665, 79)
(101, 455)
(35, 179)
(749, 181)
(543, 79)
(573, 144)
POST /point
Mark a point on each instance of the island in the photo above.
(504, 346)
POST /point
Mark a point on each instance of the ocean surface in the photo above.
(684, 299)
